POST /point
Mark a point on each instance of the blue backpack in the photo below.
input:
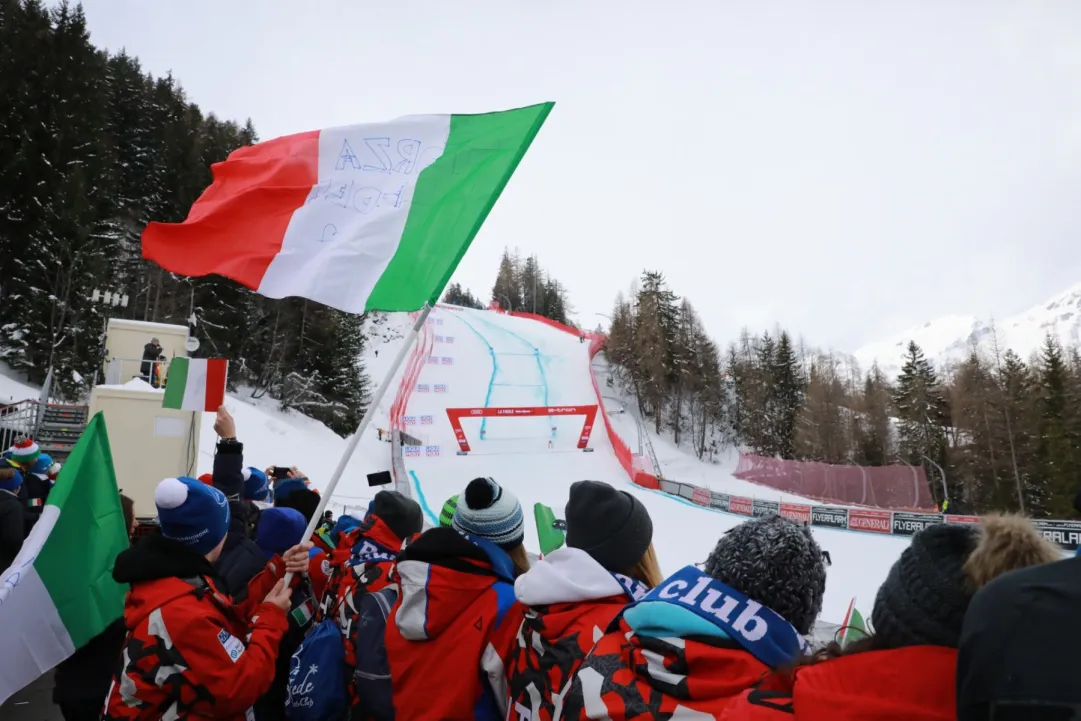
(317, 683)
(374, 690)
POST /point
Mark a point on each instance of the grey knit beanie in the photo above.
(776, 562)
(491, 512)
(924, 598)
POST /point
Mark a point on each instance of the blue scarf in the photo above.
(635, 589)
(368, 551)
(757, 629)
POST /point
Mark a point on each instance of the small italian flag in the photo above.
(853, 628)
(196, 384)
(303, 613)
(360, 218)
(60, 593)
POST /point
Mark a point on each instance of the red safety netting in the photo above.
(895, 487)
(637, 467)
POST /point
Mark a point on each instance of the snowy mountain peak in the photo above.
(948, 339)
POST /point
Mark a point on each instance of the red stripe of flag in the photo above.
(236, 226)
(216, 369)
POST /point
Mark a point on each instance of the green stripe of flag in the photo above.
(452, 199)
(174, 387)
(76, 561)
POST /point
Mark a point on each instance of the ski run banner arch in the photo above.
(457, 414)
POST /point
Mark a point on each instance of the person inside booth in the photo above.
(150, 370)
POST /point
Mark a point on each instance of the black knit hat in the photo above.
(304, 500)
(924, 598)
(611, 526)
(776, 562)
(401, 514)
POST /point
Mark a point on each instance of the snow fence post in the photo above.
(351, 446)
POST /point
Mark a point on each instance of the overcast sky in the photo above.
(845, 169)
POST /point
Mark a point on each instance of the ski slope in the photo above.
(500, 360)
(679, 463)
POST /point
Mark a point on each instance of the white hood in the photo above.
(565, 575)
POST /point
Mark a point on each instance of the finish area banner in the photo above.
(455, 415)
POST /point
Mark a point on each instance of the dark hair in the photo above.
(304, 500)
(829, 652)
(128, 507)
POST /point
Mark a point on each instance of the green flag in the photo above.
(853, 628)
(59, 593)
(549, 533)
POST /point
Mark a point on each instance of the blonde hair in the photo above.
(521, 560)
(646, 570)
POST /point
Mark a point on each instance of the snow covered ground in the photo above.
(501, 360)
(13, 386)
(679, 463)
(489, 366)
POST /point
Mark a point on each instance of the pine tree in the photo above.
(506, 290)
(875, 436)
(922, 412)
(532, 286)
(822, 431)
(92, 150)
(456, 295)
(1057, 443)
(787, 391)
(655, 334)
(976, 455)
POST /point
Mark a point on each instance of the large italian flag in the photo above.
(59, 593)
(363, 217)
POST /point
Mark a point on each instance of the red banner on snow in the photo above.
(798, 513)
(864, 519)
(742, 506)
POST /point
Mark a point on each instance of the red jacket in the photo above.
(365, 569)
(362, 564)
(571, 599)
(916, 683)
(452, 628)
(188, 654)
(691, 645)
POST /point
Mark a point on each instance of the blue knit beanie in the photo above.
(256, 487)
(279, 530)
(10, 478)
(42, 465)
(344, 524)
(488, 511)
(192, 513)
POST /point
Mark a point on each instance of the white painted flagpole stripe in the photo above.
(29, 650)
(339, 243)
(195, 385)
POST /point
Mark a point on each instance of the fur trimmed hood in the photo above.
(1007, 543)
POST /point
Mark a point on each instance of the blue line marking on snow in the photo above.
(535, 352)
(495, 368)
(422, 500)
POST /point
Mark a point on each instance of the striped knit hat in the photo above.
(24, 452)
(446, 516)
(490, 512)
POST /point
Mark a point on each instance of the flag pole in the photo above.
(351, 446)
